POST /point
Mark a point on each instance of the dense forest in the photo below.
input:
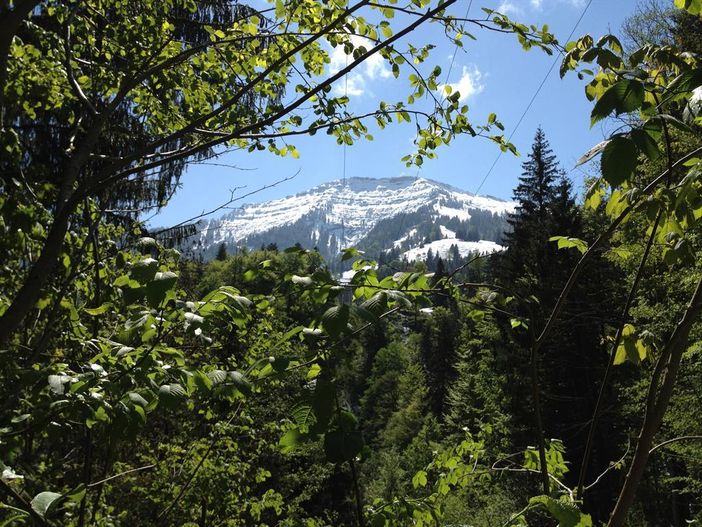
(558, 382)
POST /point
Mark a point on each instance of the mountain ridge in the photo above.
(391, 214)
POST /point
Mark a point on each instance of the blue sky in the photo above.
(493, 73)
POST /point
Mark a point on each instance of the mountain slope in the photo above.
(386, 214)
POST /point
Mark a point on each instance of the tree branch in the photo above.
(670, 357)
(555, 312)
(610, 364)
(674, 440)
(237, 134)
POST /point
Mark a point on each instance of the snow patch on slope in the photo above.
(450, 212)
(398, 243)
(447, 233)
(442, 248)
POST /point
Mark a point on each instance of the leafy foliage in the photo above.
(136, 384)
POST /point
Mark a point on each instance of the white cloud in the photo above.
(519, 7)
(468, 85)
(509, 8)
(353, 86)
(373, 67)
(376, 67)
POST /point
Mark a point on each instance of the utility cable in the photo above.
(533, 98)
(343, 187)
(443, 97)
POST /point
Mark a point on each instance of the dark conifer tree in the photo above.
(438, 354)
(570, 363)
(440, 269)
(532, 223)
(221, 252)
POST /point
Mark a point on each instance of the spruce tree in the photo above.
(477, 396)
(569, 364)
(532, 223)
(438, 354)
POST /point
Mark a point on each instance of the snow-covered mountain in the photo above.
(404, 216)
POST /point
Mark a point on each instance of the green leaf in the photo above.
(347, 421)
(157, 288)
(202, 381)
(612, 41)
(302, 414)
(363, 313)
(645, 143)
(144, 270)
(594, 195)
(419, 479)
(631, 348)
(323, 403)
(291, 440)
(171, 394)
(349, 253)
(619, 160)
(137, 399)
(146, 243)
(104, 308)
(622, 97)
(217, 376)
(377, 304)
(335, 319)
(686, 81)
(314, 371)
(476, 314)
(565, 512)
(694, 7)
(44, 502)
(565, 242)
(76, 494)
(240, 381)
(659, 120)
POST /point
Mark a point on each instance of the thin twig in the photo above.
(231, 200)
(674, 440)
(126, 472)
(610, 467)
(613, 353)
(164, 513)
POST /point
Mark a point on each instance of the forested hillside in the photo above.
(556, 382)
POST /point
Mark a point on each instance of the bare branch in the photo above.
(231, 200)
(610, 467)
(613, 353)
(674, 440)
(121, 474)
(78, 91)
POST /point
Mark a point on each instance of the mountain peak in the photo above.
(345, 213)
(366, 184)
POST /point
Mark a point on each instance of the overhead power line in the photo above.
(533, 98)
